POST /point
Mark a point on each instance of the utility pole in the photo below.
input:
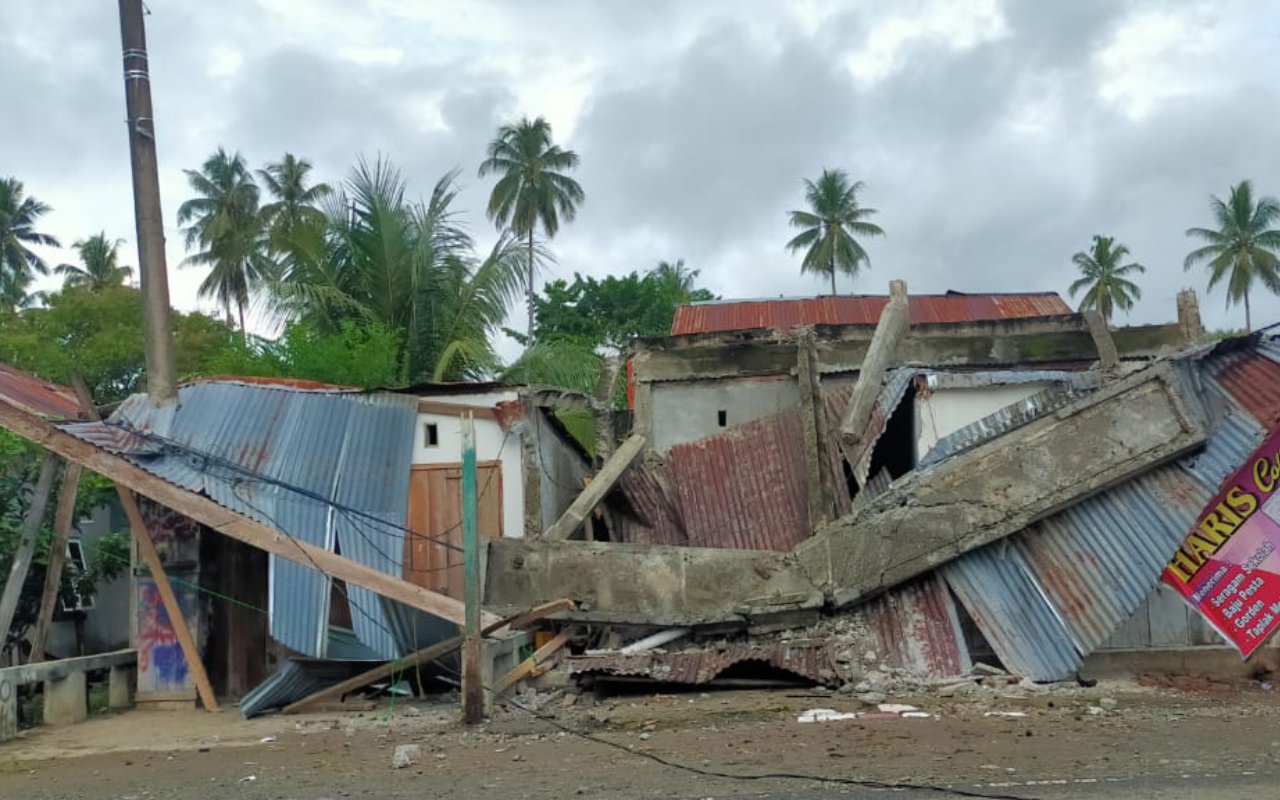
(152, 269)
(472, 669)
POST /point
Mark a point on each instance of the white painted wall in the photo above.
(492, 444)
(947, 410)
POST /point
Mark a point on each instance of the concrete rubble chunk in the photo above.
(406, 755)
(979, 668)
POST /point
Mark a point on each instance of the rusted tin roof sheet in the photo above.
(744, 489)
(1254, 381)
(29, 393)
(732, 315)
(919, 629)
(805, 659)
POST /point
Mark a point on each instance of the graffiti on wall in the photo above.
(162, 668)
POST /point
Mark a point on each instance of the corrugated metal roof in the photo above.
(808, 660)
(29, 393)
(1000, 422)
(295, 679)
(345, 448)
(1052, 594)
(784, 314)
(919, 629)
(1254, 380)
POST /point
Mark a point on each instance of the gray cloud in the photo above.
(993, 152)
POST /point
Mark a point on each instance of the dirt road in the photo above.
(1110, 741)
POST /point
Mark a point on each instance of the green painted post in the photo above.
(472, 669)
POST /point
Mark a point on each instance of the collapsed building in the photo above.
(931, 479)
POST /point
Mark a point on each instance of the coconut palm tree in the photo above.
(1103, 274)
(19, 264)
(409, 266)
(532, 189)
(99, 264)
(829, 227)
(294, 202)
(223, 225)
(1243, 248)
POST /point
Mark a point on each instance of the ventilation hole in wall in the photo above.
(722, 418)
(431, 434)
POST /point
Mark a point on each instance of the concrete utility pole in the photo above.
(472, 669)
(152, 269)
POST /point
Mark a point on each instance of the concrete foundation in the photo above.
(66, 700)
(120, 687)
(1219, 662)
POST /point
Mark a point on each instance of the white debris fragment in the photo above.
(825, 715)
(268, 740)
(895, 708)
(915, 715)
(405, 755)
(1008, 714)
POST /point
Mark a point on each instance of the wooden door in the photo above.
(433, 552)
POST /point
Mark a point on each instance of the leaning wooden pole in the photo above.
(151, 557)
(26, 544)
(472, 652)
(63, 519)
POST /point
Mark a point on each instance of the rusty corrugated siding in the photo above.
(1254, 381)
(808, 660)
(718, 316)
(49, 400)
(919, 629)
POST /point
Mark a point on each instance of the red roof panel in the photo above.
(32, 394)
(736, 315)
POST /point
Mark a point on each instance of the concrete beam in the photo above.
(633, 584)
(600, 485)
(893, 325)
(813, 417)
(1004, 486)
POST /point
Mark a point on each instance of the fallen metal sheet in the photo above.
(812, 661)
(295, 679)
(919, 629)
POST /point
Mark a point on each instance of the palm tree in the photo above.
(99, 264)
(1244, 247)
(679, 282)
(294, 202)
(829, 227)
(533, 189)
(223, 225)
(1104, 275)
(408, 266)
(19, 264)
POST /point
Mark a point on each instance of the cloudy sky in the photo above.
(995, 138)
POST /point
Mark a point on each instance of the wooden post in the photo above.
(64, 517)
(151, 557)
(27, 544)
(472, 669)
(595, 491)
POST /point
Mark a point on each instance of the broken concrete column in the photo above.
(120, 685)
(66, 700)
(602, 406)
(1108, 356)
(1189, 317)
(813, 418)
(8, 709)
(890, 331)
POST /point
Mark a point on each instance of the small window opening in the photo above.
(431, 434)
(722, 418)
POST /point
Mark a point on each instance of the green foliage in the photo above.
(828, 227)
(19, 217)
(1245, 247)
(108, 558)
(382, 259)
(365, 356)
(610, 312)
(1104, 276)
(99, 264)
(532, 189)
(99, 336)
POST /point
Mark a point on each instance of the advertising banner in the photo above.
(1228, 567)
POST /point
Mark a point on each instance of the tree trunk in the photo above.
(243, 333)
(529, 292)
(833, 282)
(1248, 320)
